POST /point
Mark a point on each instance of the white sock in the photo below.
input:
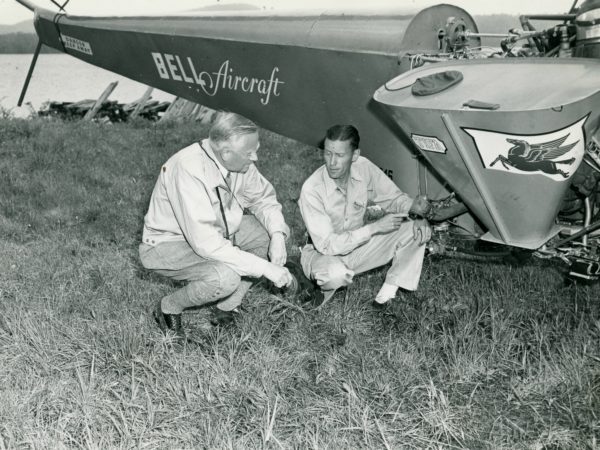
(386, 293)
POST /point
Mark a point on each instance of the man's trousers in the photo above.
(208, 280)
(333, 272)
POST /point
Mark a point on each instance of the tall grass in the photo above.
(487, 355)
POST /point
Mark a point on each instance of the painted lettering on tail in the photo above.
(174, 67)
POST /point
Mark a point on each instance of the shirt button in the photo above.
(147, 240)
(153, 242)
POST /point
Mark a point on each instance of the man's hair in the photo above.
(227, 125)
(344, 133)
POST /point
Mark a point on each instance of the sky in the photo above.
(12, 12)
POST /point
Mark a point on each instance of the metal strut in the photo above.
(593, 227)
(27, 4)
(31, 6)
(30, 72)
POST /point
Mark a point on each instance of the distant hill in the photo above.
(20, 27)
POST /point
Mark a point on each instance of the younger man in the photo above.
(333, 202)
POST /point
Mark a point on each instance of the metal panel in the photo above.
(492, 158)
(309, 72)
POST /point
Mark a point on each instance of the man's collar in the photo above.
(206, 146)
(354, 172)
(330, 185)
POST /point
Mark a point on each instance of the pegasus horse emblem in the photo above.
(537, 157)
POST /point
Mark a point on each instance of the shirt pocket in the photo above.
(370, 197)
(359, 203)
(358, 206)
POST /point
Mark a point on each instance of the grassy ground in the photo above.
(486, 356)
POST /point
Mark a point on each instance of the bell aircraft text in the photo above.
(174, 67)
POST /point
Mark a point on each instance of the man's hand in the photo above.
(420, 206)
(278, 275)
(421, 231)
(277, 251)
(388, 223)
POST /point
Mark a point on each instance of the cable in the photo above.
(221, 207)
(224, 179)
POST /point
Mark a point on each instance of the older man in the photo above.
(333, 203)
(196, 231)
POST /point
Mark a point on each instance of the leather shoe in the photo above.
(168, 322)
(302, 288)
(317, 298)
(222, 318)
(379, 306)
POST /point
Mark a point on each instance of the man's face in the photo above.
(339, 156)
(241, 152)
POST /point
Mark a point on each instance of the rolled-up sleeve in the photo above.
(260, 198)
(193, 210)
(321, 230)
(385, 193)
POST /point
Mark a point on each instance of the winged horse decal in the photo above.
(537, 157)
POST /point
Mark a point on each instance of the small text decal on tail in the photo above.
(76, 44)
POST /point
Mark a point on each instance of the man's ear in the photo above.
(355, 154)
(225, 153)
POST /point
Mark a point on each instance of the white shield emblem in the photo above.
(556, 154)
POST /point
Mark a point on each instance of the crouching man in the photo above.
(195, 229)
(333, 202)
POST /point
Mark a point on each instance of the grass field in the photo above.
(487, 355)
